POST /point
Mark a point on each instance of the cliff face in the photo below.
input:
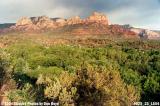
(145, 33)
(44, 22)
(95, 24)
(98, 18)
(24, 21)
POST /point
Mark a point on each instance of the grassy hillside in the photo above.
(79, 70)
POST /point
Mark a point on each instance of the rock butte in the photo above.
(95, 24)
(44, 22)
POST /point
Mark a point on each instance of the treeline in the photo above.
(112, 75)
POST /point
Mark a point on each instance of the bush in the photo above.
(5, 70)
(25, 95)
(103, 88)
(49, 71)
(89, 86)
(54, 68)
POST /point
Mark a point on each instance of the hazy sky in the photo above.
(139, 13)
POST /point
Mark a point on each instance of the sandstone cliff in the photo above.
(98, 18)
(74, 20)
(44, 22)
(95, 24)
(24, 21)
(145, 33)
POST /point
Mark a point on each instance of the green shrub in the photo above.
(47, 71)
(27, 94)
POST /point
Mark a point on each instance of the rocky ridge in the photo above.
(145, 33)
(43, 22)
(95, 24)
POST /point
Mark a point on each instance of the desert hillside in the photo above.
(95, 24)
(83, 69)
(78, 62)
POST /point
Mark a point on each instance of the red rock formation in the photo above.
(96, 24)
(98, 18)
(44, 22)
(74, 20)
(24, 21)
(119, 30)
(60, 22)
(144, 33)
(24, 24)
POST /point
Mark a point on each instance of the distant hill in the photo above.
(6, 25)
(146, 33)
(158, 31)
(95, 24)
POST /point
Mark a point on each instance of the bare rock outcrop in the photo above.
(60, 22)
(98, 18)
(152, 34)
(24, 24)
(120, 30)
(147, 34)
(74, 20)
(34, 23)
(24, 21)
(44, 22)
(95, 24)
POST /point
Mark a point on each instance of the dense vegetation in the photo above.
(110, 75)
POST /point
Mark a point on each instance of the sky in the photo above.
(138, 13)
